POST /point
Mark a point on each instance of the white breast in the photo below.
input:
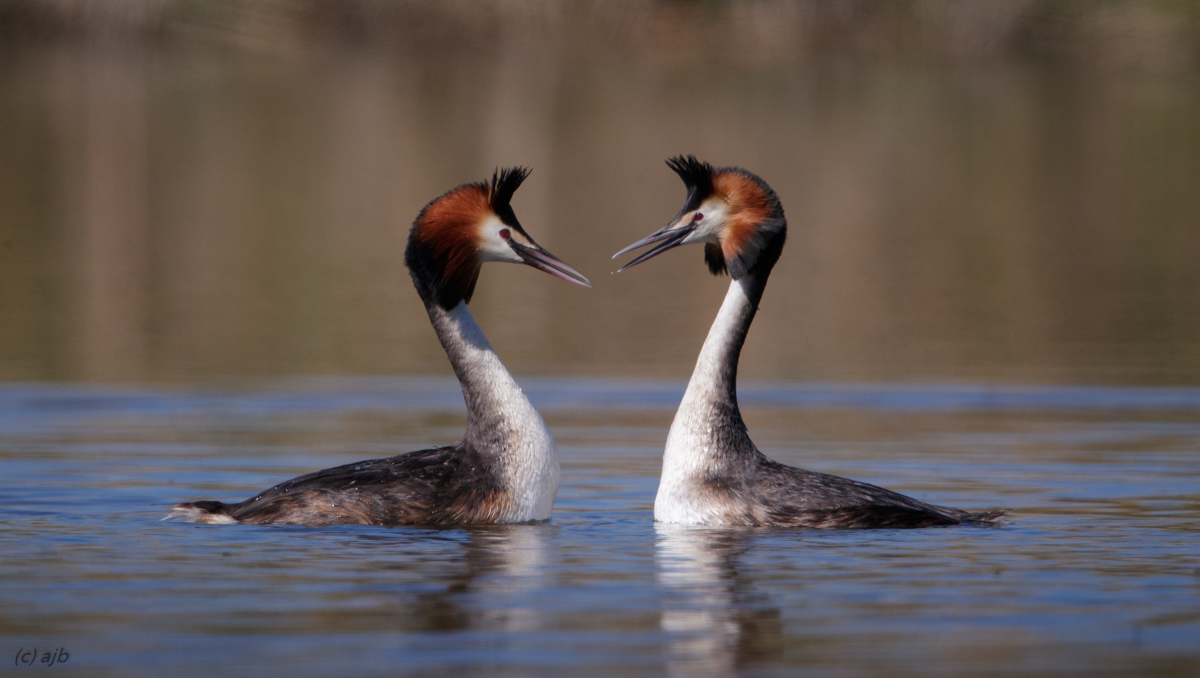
(528, 463)
(692, 447)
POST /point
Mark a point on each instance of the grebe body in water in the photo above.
(505, 469)
(712, 473)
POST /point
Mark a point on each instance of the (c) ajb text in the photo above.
(31, 658)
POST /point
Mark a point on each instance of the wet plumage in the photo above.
(440, 486)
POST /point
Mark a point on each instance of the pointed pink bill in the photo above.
(670, 236)
(544, 261)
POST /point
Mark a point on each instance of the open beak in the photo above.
(542, 260)
(667, 237)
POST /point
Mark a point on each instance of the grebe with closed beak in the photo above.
(505, 469)
(712, 473)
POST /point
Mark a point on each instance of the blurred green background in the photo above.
(977, 191)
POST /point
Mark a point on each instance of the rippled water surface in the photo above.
(201, 200)
(1097, 574)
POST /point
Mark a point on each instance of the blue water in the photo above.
(1098, 573)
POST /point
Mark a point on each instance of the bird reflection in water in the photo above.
(715, 620)
(503, 565)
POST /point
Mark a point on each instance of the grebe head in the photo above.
(733, 212)
(456, 233)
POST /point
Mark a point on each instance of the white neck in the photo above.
(501, 422)
(708, 437)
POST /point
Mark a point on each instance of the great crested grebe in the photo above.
(505, 469)
(712, 473)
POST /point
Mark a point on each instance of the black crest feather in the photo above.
(697, 176)
(505, 183)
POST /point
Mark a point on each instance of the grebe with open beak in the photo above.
(712, 473)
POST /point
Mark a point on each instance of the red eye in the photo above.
(698, 217)
(505, 233)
